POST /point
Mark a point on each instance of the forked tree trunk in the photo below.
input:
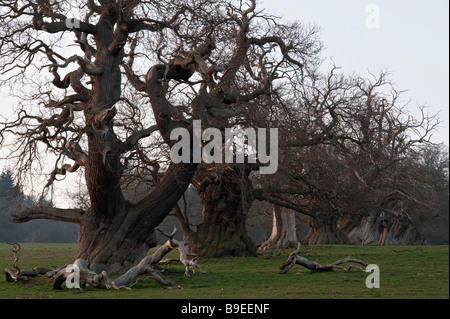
(284, 235)
(125, 234)
(114, 233)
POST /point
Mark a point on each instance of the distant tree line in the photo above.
(12, 198)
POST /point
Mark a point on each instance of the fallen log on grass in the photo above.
(295, 259)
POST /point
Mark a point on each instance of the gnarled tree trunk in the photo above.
(324, 230)
(284, 234)
(223, 229)
(123, 237)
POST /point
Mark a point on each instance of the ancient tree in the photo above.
(108, 88)
(80, 113)
(104, 84)
(80, 69)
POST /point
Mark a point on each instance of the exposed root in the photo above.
(80, 272)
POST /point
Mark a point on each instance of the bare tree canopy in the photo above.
(80, 69)
(105, 84)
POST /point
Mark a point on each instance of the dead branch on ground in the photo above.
(294, 258)
(21, 274)
(146, 266)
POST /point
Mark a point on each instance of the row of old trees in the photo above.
(102, 93)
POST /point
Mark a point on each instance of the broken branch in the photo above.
(21, 274)
(101, 280)
(294, 258)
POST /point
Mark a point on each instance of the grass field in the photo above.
(419, 272)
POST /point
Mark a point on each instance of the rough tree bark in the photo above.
(284, 235)
(223, 229)
(294, 258)
(324, 230)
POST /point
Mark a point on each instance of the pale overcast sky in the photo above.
(412, 42)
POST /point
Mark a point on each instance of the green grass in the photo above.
(419, 272)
